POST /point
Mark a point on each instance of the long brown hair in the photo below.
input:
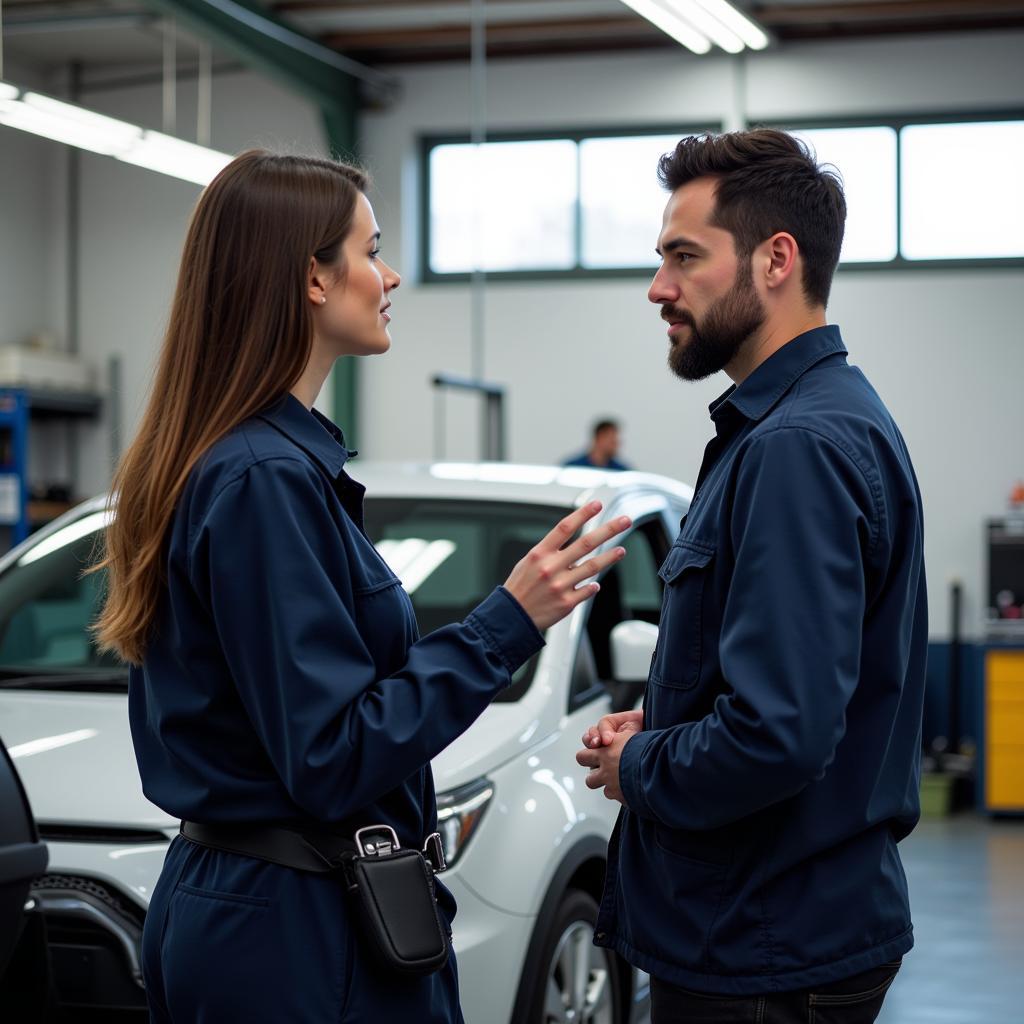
(239, 336)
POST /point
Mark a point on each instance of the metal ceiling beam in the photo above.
(106, 20)
(439, 12)
(577, 30)
(461, 5)
(884, 29)
(263, 40)
(806, 15)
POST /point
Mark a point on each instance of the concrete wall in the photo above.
(32, 272)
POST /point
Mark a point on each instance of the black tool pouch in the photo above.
(393, 890)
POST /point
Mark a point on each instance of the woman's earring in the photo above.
(323, 299)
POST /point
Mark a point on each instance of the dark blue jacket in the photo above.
(285, 681)
(583, 459)
(779, 762)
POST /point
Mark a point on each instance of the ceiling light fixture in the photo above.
(75, 126)
(672, 24)
(698, 24)
(746, 28)
(704, 21)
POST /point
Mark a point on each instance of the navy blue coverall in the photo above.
(778, 765)
(285, 683)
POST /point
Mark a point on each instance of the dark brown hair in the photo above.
(239, 337)
(768, 181)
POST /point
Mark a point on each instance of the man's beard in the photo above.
(727, 324)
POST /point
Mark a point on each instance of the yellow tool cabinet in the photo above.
(1003, 750)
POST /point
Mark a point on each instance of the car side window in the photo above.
(640, 583)
(631, 589)
(47, 608)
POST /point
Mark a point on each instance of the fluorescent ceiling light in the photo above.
(699, 23)
(670, 23)
(749, 31)
(71, 125)
(85, 129)
(704, 21)
(174, 156)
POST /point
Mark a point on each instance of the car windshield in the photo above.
(449, 555)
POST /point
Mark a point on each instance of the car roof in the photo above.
(563, 486)
(557, 486)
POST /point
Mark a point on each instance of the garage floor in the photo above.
(966, 877)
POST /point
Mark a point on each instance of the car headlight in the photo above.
(458, 815)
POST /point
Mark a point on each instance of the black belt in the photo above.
(305, 851)
(393, 889)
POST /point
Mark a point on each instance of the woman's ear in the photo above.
(316, 283)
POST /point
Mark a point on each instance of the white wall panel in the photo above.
(944, 348)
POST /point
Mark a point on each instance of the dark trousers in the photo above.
(855, 1000)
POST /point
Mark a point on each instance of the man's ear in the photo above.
(780, 258)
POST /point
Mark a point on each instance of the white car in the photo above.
(525, 838)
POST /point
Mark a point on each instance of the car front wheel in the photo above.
(580, 982)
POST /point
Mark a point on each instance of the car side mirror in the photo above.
(632, 648)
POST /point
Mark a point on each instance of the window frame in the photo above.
(897, 122)
(576, 135)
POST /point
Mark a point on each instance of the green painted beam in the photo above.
(262, 40)
(340, 129)
(345, 377)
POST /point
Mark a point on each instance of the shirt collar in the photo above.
(314, 433)
(761, 391)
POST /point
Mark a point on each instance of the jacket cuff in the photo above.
(506, 629)
(630, 779)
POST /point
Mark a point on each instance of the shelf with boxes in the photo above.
(24, 413)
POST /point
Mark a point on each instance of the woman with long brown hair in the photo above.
(280, 697)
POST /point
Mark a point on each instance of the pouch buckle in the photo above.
(433, 850)
(376, 847)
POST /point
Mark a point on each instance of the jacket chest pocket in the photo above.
(685, 572)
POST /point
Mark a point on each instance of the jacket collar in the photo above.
(314, 433)
(763, 389)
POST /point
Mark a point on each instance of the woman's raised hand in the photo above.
(545, 582)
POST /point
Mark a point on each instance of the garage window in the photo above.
(927, 192)
(960, 187)
(571, 204)
(921, 192)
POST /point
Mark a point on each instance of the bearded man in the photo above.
(754, 870)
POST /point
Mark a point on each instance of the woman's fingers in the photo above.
(565, 529)
(549, 581)
(592, 566)
(593, 539)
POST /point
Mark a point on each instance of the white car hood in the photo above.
(498, 735)
(74, 754)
